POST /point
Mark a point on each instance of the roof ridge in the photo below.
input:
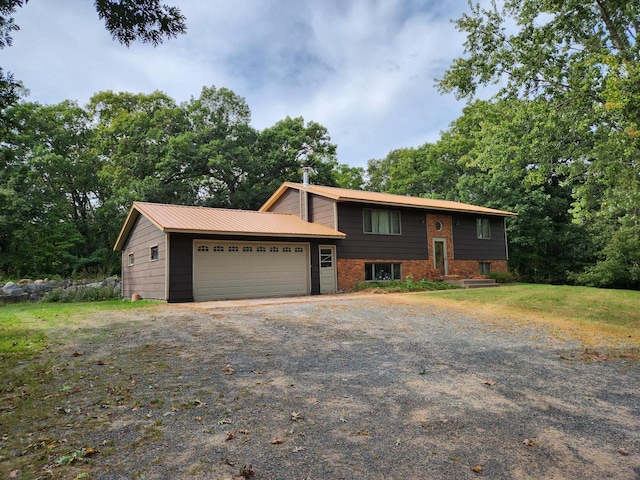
(173, 205)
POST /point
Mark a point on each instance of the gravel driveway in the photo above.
(351, 387)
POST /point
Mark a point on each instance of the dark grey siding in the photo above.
(145, 277)
(411, 244)
(289, 202)
(181, 264)
(322, 211)
(467, 245)
(180, 268)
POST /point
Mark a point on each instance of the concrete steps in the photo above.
(474, 282)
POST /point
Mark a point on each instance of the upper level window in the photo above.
(131, 259)
(153, 253)
(483, 228)
(381, 221)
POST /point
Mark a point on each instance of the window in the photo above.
(484, 268)
(299, 249)
(274, 249)
(286, 249)
(247, 249)
(326, 258)
(233, 248)
(483, 228)
(261, 249)
(438, 225)
(218, 248)
(153, 253)
(203, 248)
(381, 221)
(382, 271)
(131, 259)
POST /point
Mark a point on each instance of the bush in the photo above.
(503, 277)
(394, 286)
(81, 294)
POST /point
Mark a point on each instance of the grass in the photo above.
(596, 317)
(37, 394)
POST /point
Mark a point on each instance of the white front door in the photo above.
(328, 282)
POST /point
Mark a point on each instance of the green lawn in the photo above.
(589, 314)
(24, 326)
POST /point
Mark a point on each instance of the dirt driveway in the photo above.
(353, 387)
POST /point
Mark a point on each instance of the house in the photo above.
(305, 239)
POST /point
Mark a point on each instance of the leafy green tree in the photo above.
(426, 171)
(283, 149)
(349, 177)
(581, 58)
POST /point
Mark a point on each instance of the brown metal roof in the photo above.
(187, 219)
(346, 195)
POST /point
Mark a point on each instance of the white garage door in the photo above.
(228, 270)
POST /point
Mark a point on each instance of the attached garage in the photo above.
(181, 253)
(230, 270)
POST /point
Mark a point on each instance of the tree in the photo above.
(581, 58)
(426, 171)
(146, 20)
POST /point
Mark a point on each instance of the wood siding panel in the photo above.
(411, 244)
(289, 202)
(145, 277)
(467, 245)
(322, 211)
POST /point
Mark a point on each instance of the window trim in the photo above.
(480, 230)
(153, 248)
(391, 214)
(488, 267)
(372, 266)
(131, 260)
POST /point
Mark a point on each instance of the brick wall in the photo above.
(351, 271)
(471, 269)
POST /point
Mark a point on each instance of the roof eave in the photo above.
(255, 234)
(132, 216)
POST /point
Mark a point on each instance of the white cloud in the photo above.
(365, 69)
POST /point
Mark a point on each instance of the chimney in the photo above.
(305, 176)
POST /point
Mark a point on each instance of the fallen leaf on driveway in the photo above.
(529, 442)
(277, 441)
(298, 449)
(623, 451)
(230, 436)
(489, 382)
(477, 468)
(228, 370)
(247, 471)
(295, 416)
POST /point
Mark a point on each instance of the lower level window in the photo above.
(485, 268)
(382, 271)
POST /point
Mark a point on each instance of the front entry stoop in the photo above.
(474, 282)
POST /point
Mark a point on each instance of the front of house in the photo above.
(306, 239)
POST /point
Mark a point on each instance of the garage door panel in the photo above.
(228, 270)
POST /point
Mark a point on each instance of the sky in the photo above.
(364, 69)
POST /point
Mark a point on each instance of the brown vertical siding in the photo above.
(467, 244)
(410, 244)
(145, 277)
(322, 211)
(289, 202)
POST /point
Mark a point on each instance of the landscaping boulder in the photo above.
(12, 289)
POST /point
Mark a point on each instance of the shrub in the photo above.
(407, 286)
(503, 277)
(81, 294)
